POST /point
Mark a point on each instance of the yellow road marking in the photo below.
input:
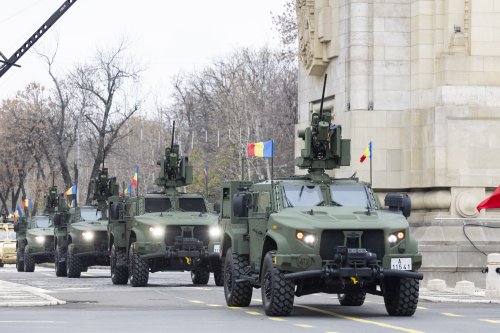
(233, 307)
(360, 320)
(254, 313)
(276, 318)
(303, 325)
(449, 314)
(195, 301)
(491, 321)
(422, 308)
(214, 305)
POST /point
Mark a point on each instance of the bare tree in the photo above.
(104, 85)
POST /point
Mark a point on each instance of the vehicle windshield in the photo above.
(302, 195)
(42, 222)
(90, 214)
(7, 235)
(192, 205)
(349, 195)
(157, 205)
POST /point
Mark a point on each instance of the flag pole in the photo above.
(371, 173)
(206, 180)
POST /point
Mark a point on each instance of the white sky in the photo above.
(166, 36)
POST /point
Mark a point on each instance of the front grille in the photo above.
(371, 240)
(199, 232)
(101, 240)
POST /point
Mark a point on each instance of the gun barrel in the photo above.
(322, 99)
(173, 136)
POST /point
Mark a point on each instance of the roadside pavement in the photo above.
(450, 295)
(15, 294)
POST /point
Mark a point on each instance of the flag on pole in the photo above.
(366, 153)
(205, 173)
(128, 190)
(71, 190)
(11, 214)
(136, 177)
(491, 202)
(27, 203)
(261, 149)
(18, 212)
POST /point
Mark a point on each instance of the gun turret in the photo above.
(175, 170)
(324, 147)
(51, 200)
(102, 188)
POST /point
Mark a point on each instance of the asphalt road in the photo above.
(171, 303)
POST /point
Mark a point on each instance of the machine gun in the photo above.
(324, 147)
(52, 198)
(175, 170)
(6, 64)
(102, 188)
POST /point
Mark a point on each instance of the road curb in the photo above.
(16, 295)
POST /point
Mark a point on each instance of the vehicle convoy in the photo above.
(81, 233)
(35, 235)
(165, 230)
(306, 234)
(7, 244)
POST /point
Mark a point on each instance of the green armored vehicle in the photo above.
(164, 231)
(307, 234)
(35, 236)
(82, 233)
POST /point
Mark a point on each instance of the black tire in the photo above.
(29, 260)
(138, 269)
(401, 296)
(277, 293)
(352, 299)
(200, 275)
(218, 276)
(119, 274)
(60, 261)
(20, 259)
(73, 264)
(1, 264)
(237, 294)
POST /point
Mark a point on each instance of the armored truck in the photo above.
(314, 233)
(165, 230)
(7, 244)
(81, 233)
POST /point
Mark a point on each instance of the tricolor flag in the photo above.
(366, 153)
(261, 149)
(27, 203)
(128, 190)
(136, 176)
(205, 173)
(11, 214)
(71, 190)
(18, 212)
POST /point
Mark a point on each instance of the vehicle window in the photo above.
(349, 195)
(192, 205)
(263, 201)
(157, 205)
(42, 222)
(302, 195)
(90, 214)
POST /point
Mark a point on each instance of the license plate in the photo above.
(217, 248)
(402, 264)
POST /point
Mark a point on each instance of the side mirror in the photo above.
(217, 207)
(240, 204)
(114, 211)
(399, 202)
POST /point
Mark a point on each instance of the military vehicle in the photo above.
(35, 235)
(7, 243)
(165, 230)
(81, 233)
(306, 234)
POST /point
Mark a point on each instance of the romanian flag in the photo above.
(205, 173)
(11, 214)
(71, 190)
(136, 176)
(366, 153)
(261, 149)
(18, 212)
(27, 203)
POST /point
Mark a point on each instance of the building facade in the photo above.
(421, 80)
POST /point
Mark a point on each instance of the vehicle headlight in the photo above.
(396, 237)
(40, 239)
(214, 231)
(305, 237)
(88, 235)
(157, 231)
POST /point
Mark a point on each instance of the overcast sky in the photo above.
(166, 36)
